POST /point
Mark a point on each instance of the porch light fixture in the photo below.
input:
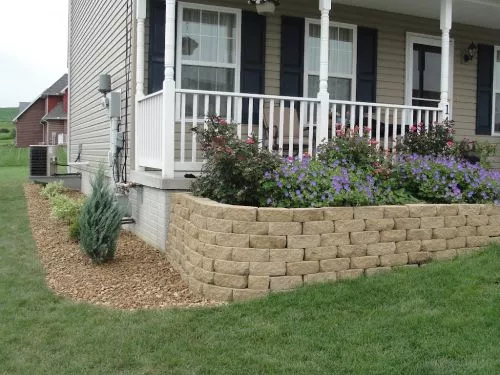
(264, 6)
(470, 52)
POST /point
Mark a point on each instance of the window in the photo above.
(341, 60)
(496, 92)
(208, 50)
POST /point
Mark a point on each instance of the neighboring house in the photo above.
(43, 121)
(386, 64)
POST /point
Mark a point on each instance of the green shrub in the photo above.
(52, 189)
(74, 230)
(65, 208)
(474, 151)
(100, 221)
(350, 148)
(437, 140)
(234, 168)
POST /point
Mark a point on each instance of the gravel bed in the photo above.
(139, 277)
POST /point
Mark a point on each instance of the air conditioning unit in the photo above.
(43, 160)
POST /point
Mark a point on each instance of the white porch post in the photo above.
(139, 76)
(168, 128)
(324, 6)
(446, 20)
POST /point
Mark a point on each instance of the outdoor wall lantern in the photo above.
(264, 6)
(470, 53)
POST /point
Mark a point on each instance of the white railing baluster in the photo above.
(370, 119)
(270, 125)
(239, 115)
(342, 117)
(334, 121)
(419, 117)
(280, 131)
(394, 128)
(404, 114)
(261, 121)
(183, 127)
(311, 127)
(412, 119)
(206, 109)
(361, 120)
(302, 114)
(229, 115)
(250, 117)
(386, 129)
(427, 119)
(195, 124)
(217, 105)
(352, 120)
(377, 126)
(291, 124)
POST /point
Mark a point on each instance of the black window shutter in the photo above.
(253, 52)
(292, 56)
(156, 45)
(484, 102)
(366, 72)
(253, 58)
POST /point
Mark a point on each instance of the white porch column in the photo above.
(139, 77)
(446, 20)
(141, 18)
(168, 130)
(324, 6)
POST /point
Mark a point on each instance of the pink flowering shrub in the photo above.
(437, 140)
(351, 148)
(234, 168)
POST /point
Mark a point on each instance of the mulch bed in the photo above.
(139, 276)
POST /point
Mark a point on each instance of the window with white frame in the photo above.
(208, 49)
(496, 93)
(341, 60)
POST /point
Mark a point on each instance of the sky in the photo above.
(33, 45)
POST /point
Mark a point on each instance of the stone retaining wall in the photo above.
(233, 252)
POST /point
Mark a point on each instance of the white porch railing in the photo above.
(387, 122)
(148, 131)
(287, 125)
(283, 124)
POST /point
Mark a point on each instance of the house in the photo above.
(43, 121)
(284, 73)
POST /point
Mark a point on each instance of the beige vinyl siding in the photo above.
(97, 44)
(391, 63)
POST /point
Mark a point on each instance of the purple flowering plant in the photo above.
(310, 182)
(443, 179)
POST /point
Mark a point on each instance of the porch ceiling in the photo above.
(485, 13)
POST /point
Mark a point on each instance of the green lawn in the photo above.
(443, 319)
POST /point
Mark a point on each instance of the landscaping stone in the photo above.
(232, 268)
(285, 282)
(333, 265)
(286, 255)
(285, 229)
(320, 253)
(267, 268)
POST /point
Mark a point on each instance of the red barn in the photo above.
(43, 121)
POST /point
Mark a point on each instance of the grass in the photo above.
(10, 156)
(442, 319)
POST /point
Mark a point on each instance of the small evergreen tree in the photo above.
(100, 221)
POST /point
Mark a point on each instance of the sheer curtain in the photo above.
(340, 61)
(209, 40)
